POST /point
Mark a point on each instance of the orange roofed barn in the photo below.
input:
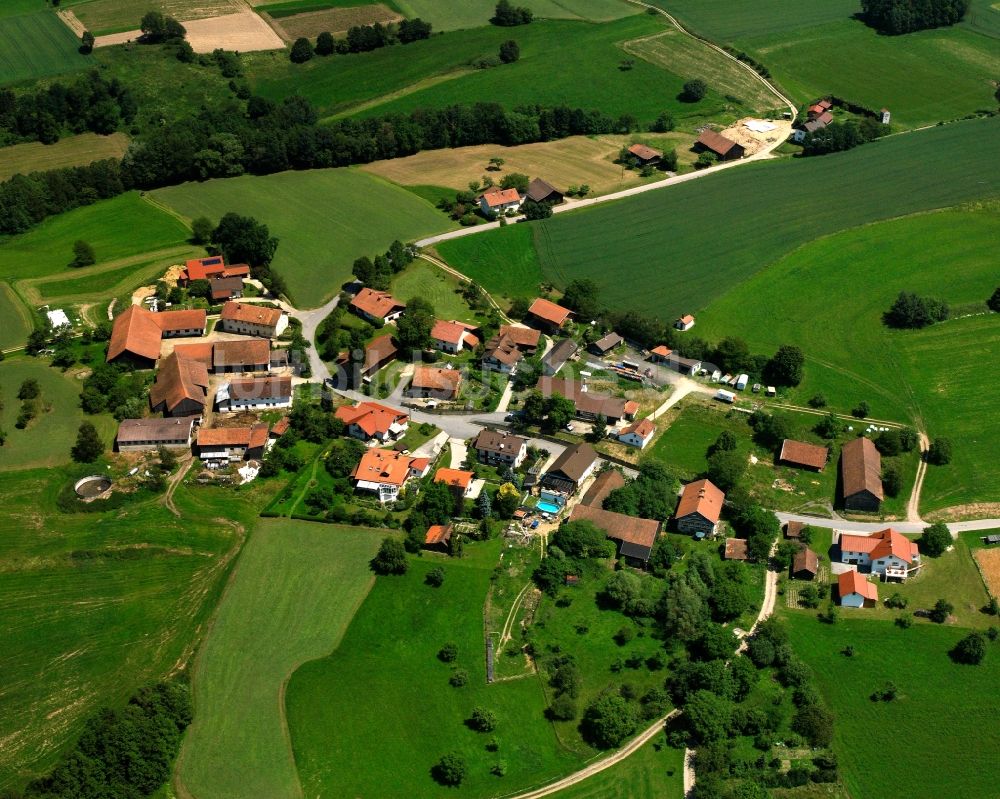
(861, 475)
(803, 455)
(645, 155)
(724, 148)
(546, 315)
(700, 507)
(137, 332)
(181, 387)
(252, 320)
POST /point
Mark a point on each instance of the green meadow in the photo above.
(423, 279)
(17, 319)
(944, 717)
(656, 771)
(382, 699)
(35, 45)
(324, 220)
(937, 377)
(677, 249)
(504, 261)
(294, 592)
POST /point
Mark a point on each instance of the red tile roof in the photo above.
(454, 333)
(662, 350)
(378, 304)
(619, 526)
(503, 349)
(644, 428)
(380, 350)
(280, 427)
(548, 311)
(200, 351)
(702, 497)
(861, 468)
(455, 477)
(686, 319)
(179, 379)
(605, 483)
(371, 417)
(260, 387)
(438, 534)
(430, 378)
(250, 314)
(716, 142)
(853, 583)
(799, 453)
(244, 352)
(644, 153)
(881, 544)
(383, 466)
(213, 267)
(522, 337)
(805, 560)
(496, 197)
(135, 331)
(180, 320)
(631, 408)
(736, 549)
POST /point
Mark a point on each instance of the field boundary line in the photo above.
(162, 206)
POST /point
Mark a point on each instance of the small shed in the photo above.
(805, 565)
(645, 155)
(541, 192)
(724, 148)
(793, 530)
(736, 549)
(605, 344)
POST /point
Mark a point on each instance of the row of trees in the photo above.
(508, 15)
(361, 39)
(839, 136)
(911, 311)
(905, 16)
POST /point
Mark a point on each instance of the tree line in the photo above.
(361, 39)
(839, 136)
(905, 16)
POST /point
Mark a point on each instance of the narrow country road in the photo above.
(600, 765)
(913, 506)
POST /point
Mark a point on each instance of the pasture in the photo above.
(439, 71)
(686, 245)
(93, 606)
(79, 150)
(503, 261)
(17, 319)
(903, 374)
(123, 227)
(324, 219)
(564, 163)
(656, 771)
(47, 439)
(359, 701)
(455, 14)
(292, 597)
(961, 701)
(423, 279)
(35, 45)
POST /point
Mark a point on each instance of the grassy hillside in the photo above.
(324, 218)
(94, 606)
(71, 151)
(296, 589)
(934, 375)
(17, 319)
(654, 772)
(384, 690)
(677, 249)
(961, 701)
(35, 45)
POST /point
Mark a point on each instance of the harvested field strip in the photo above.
(989, 566)
(79, 150)
(102, 17)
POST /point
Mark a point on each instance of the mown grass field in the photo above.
(438, 72)
(423, 279)
(936, 376)
(324, 219)
(293, 7)
(650, 773)
(295, 590)
(123, 227)
(504, 261)
(945, 714)
(79, 150)
(113, 16)
(384, 691)
(819, 48)
(675, 250)
(94, 606)
(37, 44)
(455, 14)
(47, 439)
(17, 319)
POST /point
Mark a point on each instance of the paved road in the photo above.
(872, 527)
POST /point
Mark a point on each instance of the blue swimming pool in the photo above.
(548, 507)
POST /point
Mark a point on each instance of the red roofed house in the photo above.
(685, 322)
(502, 354)
(803, 455)
(372, 421)
(136, 332)
(211, 268)
(181, 387)
(437, 537)
(377, 305)
(546, 315)
(820, 108)
(725, 149)
(660, 354)
(645, 155)
(886, 552)
(252, 320)
(735, 549)
(429, 381)
(638, 434)
(699, 508)
(524, 338)
(385, 472)
(457, 479)
(499, 201)
(855, 591)
(452, 337)
(220, 446)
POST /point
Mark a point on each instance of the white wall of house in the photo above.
(508, 458)
(852, 601)
(634, 440)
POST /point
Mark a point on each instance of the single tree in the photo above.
(609, 720)
(935, 540)
(448, 653)
(785, 368)
(29, 389)
(484, 505)
(534, 210)
(435, 577)
(939, 452)
(168, 460)
(87, 43)
(325, 44)
(515, 180)
(201, 230)
(414, 327)
(892, 478)
(302, 50)
(242, 239)
(483, 720)
(600, 428)
(450, 770)
(861, 410)
(509, 52)
(563, 708)
(390, 558)
(941, 611)
(83, 253)
(694, 90)
(88, 447)
(970, 650)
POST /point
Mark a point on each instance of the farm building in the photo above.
(803, 455)
(645, 156)
(634, 536)
(181, 324)
(605, 344)
(660, 354)
(524, 338)
(724, 148)
(180, 388)
(499, 201)
(886, 552)
(211, 269)
(683, 323)
(805, 565)
(571, 469)
(556, 358)
(249, 355)
(793, 530)
(861, 475)
(686, 366)
(136, 435)
(603, 484)
(429, 381)
(252, 320)
(437, 537)
(384, 472)
(817, 123)
(220, 446)
(541, 192)
(735, 549)
(502, 355)
(699, 508)
(638, 434)
(589, 404)
(819, 108)
(459, 480)
(855, 591)
(377, 305)
(370, 421)
(453, 337)
(379, 352)
(500, 448)
(136, 333)
(546, 315)
(255, 394)
(227, 288)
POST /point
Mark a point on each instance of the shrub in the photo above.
(941, 611)
(817, 401)
(563, 708)
(939, 452)
(897, 600)
(862, 410)
(450, 770)
(970, 650)
(302, 50)
(435, 577)
(694, 90)
(904, 621)
(448, 653)
(459, 678)
(390, 558)
(509, 52)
